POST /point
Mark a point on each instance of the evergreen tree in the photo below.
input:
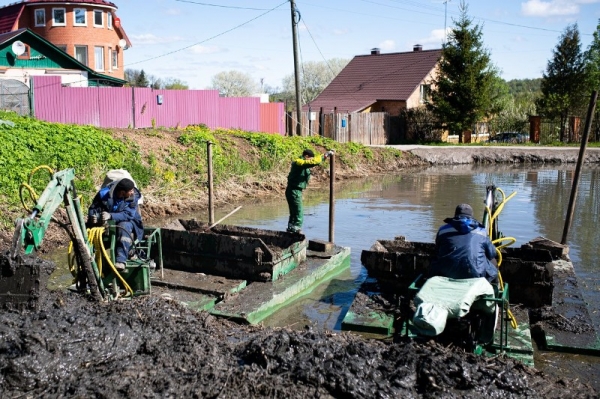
(563, 83)
(466, 88)
(142, 80)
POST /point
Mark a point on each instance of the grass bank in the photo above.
(169, 165)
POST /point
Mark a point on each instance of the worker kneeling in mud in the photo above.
(118, 201)
(464, 249)
(463, 275)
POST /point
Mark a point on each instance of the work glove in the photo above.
(106, 216)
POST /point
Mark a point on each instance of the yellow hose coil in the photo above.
(511, 241)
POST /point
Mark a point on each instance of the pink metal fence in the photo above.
(122, 107)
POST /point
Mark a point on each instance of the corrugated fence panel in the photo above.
(178, 108)
(272, 118)
(82, 105)
(116, 107)
(123, 107)
(239, 113)
(47, 99)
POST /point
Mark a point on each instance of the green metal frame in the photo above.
(137, 273)
(501, 300)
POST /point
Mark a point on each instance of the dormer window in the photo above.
(40, 17)
(79, 17)
(59, 17)
(98, 18)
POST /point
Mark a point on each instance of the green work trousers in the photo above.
(294, 200)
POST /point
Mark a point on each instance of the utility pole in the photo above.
(445, 18)
(295, 21)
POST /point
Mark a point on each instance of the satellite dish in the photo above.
(18, 47)
(122, 43)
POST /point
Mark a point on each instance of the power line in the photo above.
(210, 38)
(222, 6)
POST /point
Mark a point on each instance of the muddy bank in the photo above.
(454, 155)
(153, 347)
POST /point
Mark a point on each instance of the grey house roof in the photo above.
(376, 77)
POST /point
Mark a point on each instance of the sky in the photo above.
(193, 40)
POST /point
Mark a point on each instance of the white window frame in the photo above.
(75, 23)
(101, 13)
(424, 93)
(64, 11)
(42, 13)
(109, 20)
(114, 60)
(99, 58)
(86, 61)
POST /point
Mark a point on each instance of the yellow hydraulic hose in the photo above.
(30, 189)
(100, 254)
(511, 240)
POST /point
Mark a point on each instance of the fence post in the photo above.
(133, 106)
(535, 123)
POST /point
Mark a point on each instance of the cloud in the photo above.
(387, 45)
(553, 8)
(149, 38)
(435, 38)
(340, 32)
(173, 11)
(198, 49)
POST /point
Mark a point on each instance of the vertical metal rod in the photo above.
(296, 68)
(331, 197)
(584, 139)
(211, 208)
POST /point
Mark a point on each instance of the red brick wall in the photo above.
(71, 35)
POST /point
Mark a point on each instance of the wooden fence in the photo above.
(375, 128)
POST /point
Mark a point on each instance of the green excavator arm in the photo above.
(30, 231)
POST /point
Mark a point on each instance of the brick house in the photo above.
(381, 83)
(87, 30)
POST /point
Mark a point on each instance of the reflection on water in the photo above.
(414, 204)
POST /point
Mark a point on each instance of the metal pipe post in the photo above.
(584, 139)
(211, 208)
(295, 20)
(331, 197)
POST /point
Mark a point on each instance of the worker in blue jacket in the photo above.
(118, 201)
(464, 249)
(297, 181)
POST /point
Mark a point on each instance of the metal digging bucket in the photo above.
(23, 281)
(232, 251)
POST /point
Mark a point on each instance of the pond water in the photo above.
(413, 204)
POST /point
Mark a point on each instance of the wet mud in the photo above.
(153, 347)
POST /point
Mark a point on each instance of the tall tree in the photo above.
(142, 80)
(234, 84)
(564, 81)
(314, 78)
(592, 67)
(466, 88)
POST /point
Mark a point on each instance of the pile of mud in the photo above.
(152, 347)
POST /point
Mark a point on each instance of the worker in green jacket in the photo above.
(297, 181)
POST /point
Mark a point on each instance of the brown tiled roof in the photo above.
(100, 2)
(9, 15)
(369, 78)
